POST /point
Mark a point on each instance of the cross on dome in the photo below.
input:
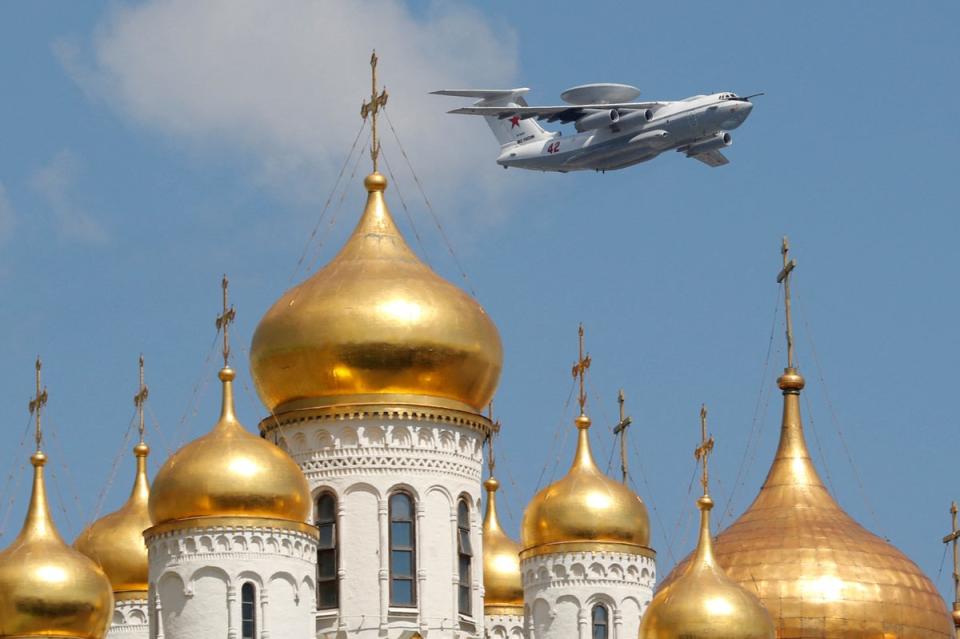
(703, 451)
(37, 403)
(372, 108)
(224, 320)
(580, 371)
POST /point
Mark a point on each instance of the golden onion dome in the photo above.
(48, 589)
(502, 585)
(229, 472)
(703, 602)
(819, 572)
(115, 542)
(376, 325)
(585, 510)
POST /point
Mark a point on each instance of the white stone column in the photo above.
(617, 625)
(421, 572)
(455, 614)
(583, 623)
(264, 625)
(382, 513)
(231, 611)
(158, 614)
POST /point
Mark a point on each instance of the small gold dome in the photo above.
(229, 472)
(502, 585)
(586, 510)
(115, 542)
(703, 602)
(819, 572)
(48, 589)
(376, 325)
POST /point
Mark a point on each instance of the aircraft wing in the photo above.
(566, 113)
(711, 158)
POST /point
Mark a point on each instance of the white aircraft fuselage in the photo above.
(613, 131)
(673, 126)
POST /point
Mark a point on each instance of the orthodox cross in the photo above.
(494, 430)
(580, 371)
(952, 538)
(224, 321)
(372, 108)
(784, 278)
(37, 403)
(621, 430)
(702, 453)
(140, 398)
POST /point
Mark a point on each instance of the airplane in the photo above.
(613, 132)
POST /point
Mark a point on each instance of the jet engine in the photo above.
(597, 119)
(718, 141)
(632, 118)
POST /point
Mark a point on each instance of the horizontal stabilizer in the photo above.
(482, 94)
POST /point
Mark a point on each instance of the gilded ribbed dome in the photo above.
(702, 602)
(818, 572)
(48, 589)
(376, 325)
(586, 510)
(229, 472)
(115, 542)
(502, 585)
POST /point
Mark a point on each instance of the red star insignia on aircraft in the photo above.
(514, 121)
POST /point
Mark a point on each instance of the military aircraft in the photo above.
(613, 132)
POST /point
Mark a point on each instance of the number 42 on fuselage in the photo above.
(613, 132)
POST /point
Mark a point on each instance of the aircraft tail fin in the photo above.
(508, 130)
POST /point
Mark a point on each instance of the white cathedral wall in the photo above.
(504, 627)
(131, 620)
(196, 576)
(561, 589)
(363, 459)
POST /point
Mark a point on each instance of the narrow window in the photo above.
(600, 622)
(248, 611)
(403, 559)
(328, 586)
(464, 556)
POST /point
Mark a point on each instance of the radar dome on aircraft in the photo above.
(600, 93)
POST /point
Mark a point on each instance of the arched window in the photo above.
(601, 622)
(328, 586)
(403, 555)
(464, 556)
(248, 611)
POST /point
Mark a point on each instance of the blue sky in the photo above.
(148, 147)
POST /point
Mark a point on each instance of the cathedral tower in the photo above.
(588, 569)
(375, 371)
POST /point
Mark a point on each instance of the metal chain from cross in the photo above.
(224, 320)
(37, 403)
(621, 430)
(953, 537)
(372, 109)
(139, 400)
(784, 278)
(580, 371)
(703, 451)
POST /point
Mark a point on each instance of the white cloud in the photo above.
(8, 216)
(282, 80)
(55, 182)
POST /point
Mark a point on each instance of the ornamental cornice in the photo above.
(226, 543)
(584, 568)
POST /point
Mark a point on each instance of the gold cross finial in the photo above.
(621, 430)
(952, 538)
(224, 321)
(580, 371)
(372, 108)
(37, 403)
(702, 453)
(140, 398)
(784, 278)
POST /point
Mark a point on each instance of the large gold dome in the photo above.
(115, 541)
(818, 572)
(48, 589)
(229, 472)
(375, 325)
(586, 510)
(502, 584)
(704, 603)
